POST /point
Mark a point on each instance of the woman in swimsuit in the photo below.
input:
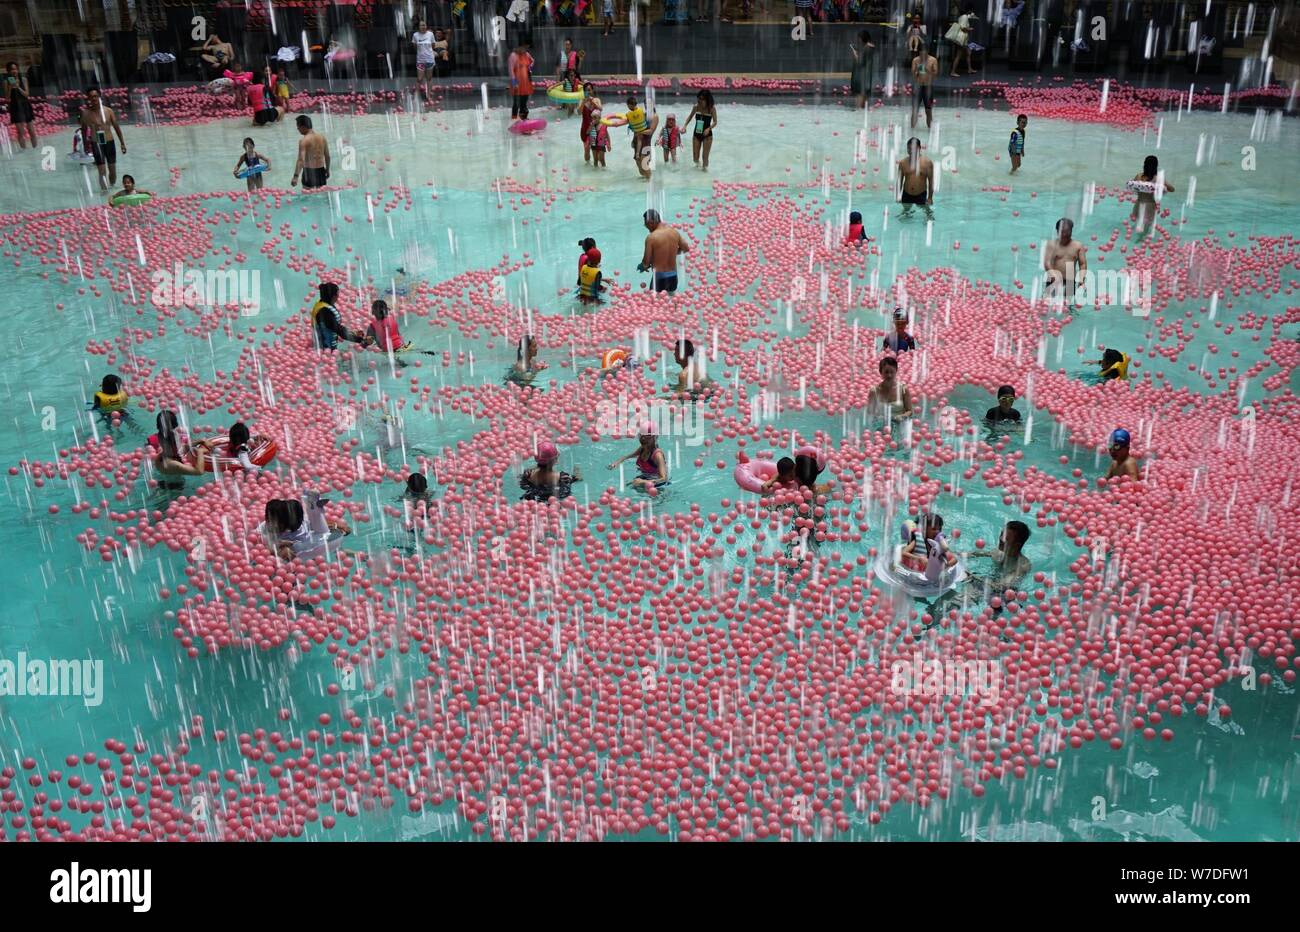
(891, 394)
(651, 465)
(173, 455)
(703, 118)
(1144, 209)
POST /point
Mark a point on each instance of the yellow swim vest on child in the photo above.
(636, 120)
(110, 403)
(1119, 368)
(587, 281)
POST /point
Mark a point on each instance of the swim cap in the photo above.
(1119, 437)
(1006, 390)
(900, 314)
(593, 254)
(547, 453)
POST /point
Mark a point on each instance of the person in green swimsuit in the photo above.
(864, 67)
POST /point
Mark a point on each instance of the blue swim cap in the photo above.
(1119, 437)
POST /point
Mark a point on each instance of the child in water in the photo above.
(900, 341)
(383, 329)
(527, 365)
(597, 139)
(1114, 365)
(300, 529)
(857, 234)
(111, 399)
(1016, 146)
(652, 466)
(251, 158)
(670, 139)
(1011, 565)
(128, 187)
(785, 479)
(234, 446)
(417, 488)
(1004, 410)
(928, 549)
(589, 278)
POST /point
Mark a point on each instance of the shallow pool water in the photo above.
(436, 195)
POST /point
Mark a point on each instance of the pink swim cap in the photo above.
(547, 453)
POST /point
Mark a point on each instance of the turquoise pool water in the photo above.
(453, 210)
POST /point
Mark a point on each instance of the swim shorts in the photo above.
(266, 115)
(918, 199)
(923, 94)
(666, 281)
(104, 153)
(315, 177)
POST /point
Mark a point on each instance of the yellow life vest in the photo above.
(1120, 368)
(636, 120)
(111, 403)
(587, 281)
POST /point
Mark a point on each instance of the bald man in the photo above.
(1065, 261)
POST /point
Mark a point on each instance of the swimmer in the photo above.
(1016, 145)
(326, 327)
(1114, 365)
(662, 247)
(785, 479)
(1003, 411)
(544, 477)
(293, 530)
(1123, 464)
(692, 377)
(891, 394)
(1012, 565)
(383, 331)
(1144, 210)
(313, 157)
(1065, 260)
(526, 364)
(173, 455)
(652, 466)
(856, 232)
(417, 489)
(670, 139)
(806, 472)
(234, 446)
(900, 341)
(128, 187)
(99, 124)
(111, 399)
(916, 180)
(590, 279)
(926, 544)
(251, 158)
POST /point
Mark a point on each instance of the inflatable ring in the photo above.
(751, 476)
(891, 571)
(249, 171)
(613, 121)
(130, 200)
(558, 93)
(1141, 187)
(611, 358)
(526, 127)
(261, 450)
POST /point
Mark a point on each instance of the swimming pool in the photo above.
(615, 665)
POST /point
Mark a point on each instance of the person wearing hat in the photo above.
(662, 247)
(900, 341)
(1004, 410)
(1122, 463)
(544, 478)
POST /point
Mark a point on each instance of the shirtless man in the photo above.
(313, 157)
(916, 180)
(924, 67)
(662, 247)
(1122, 463)
(1065, 261)
(98, 123)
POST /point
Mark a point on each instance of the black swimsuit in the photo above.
(703, 121)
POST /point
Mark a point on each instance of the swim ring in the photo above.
(249, 171)
(890, 570)
(611, 358)
(1141, 187)
(525, 127)
(261, 450)
(130, 200)
(751, 476)
(557, 92)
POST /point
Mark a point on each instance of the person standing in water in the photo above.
(1065, 260)
(702, 119)
(662, 247)
(916, 180)
(1123, 465)
(1151, 180)
(864, 68)
(891, 395)
(19, 102)
(313, 157)
(99, 124)
(924, 68)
